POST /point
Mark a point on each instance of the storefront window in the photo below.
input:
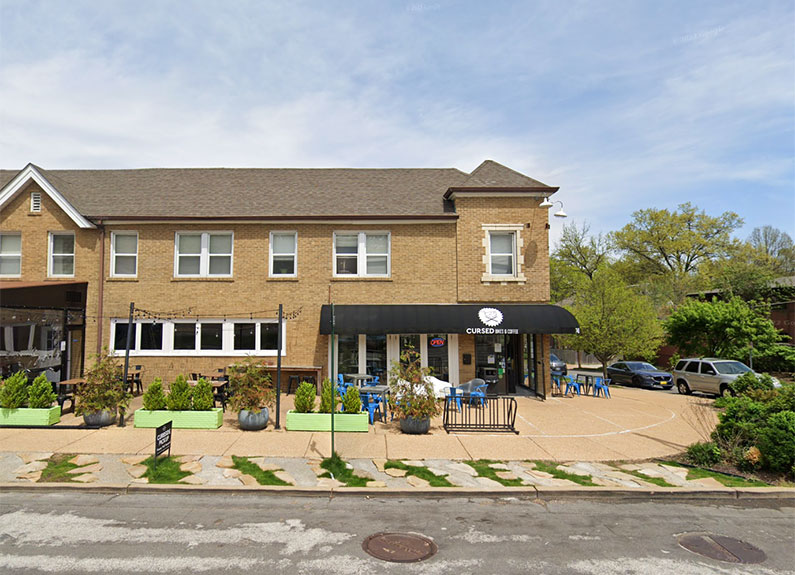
(376, 355)
(120, 341)
(409, 342)
(348, 354)
(437, 356)
(245, 336)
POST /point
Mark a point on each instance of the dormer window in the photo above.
(35, 202)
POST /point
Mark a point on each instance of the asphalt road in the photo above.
(67, 532)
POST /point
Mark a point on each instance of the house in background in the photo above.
(455, 265)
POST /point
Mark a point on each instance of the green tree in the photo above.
(775, 245)
(581, 251)
(721, 328)
(674, 244)
(614, 320)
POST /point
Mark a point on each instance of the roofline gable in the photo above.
(32, 173)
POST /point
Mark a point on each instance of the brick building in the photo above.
(455, 264)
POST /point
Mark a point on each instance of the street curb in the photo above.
(672, 494)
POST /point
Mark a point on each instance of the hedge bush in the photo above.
(181, 395)
(154, 398)
(40, 393)
(305, 397)
(14, 391)
(352, 402)
(327, 389)
(203, 396)
(777, 441)
(705, 454)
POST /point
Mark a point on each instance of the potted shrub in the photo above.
(303, 418)
(24, 404)
(103, 394)
(411, 396)
(251, 394)
(185, 407)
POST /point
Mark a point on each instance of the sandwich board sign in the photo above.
(162, 440)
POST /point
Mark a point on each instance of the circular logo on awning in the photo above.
(490, 316)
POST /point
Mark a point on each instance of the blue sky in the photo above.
(624, 105)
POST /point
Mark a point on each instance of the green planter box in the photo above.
(322, 421)
(30, 416)
(212, 419)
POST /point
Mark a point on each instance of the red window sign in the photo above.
(437, 342)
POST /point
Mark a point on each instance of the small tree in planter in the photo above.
(328, 397)
(180, 397)
(23, 403)
(251, 394)
(411, 397)
(103, 393)
(352, 402)
(40, 393)
(203, 396)
(305, 397)
(14, 391)
(154, 398)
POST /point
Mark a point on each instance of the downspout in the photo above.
(101, 286)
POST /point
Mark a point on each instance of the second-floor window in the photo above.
(10, 254)
(124, 254)
(502, 253)
(62, 254)
(284, 254)
(362, 254)
(203, 254)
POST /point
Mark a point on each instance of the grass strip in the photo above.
(552, 469)
(263, 477)
(58, 468)
(483, 469)
(336, 468)
(694, 473)
(167, 470)
(659, 481)
(421, 472)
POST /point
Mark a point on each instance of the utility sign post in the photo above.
(162, 440)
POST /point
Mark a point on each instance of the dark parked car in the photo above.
(641, 374)
(557, 365)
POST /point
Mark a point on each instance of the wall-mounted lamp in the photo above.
(547, 204)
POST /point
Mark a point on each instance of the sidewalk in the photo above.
(579, 434)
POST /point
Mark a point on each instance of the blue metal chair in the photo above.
(371, 405)
(601, 386)
(478, 394)
(452, 394)
(556, 384)
(571, 384)
(340, 379)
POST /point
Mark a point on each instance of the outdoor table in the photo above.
(586, 380)
(358, 378)
(381, 390)
(66, 390)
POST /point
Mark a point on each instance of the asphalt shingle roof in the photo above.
(265, 192)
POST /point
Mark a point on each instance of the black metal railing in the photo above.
(490, 413)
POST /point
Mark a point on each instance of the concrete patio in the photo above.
(633, 425)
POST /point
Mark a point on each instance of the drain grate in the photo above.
(400, 547)
(722, 548)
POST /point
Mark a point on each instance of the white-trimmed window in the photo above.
(10, 254)
(203, 254)
(502, 254)
(362, 254)
(214, 337)
(124, 254)
(283, 254)
(62, 254)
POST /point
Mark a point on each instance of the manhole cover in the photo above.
(722, 548)
(399, 547)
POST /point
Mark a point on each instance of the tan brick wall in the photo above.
(476, 211)
(430, 263)
(35, 228)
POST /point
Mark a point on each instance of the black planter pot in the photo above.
(415, 426)
(250, 421)
(99, 418)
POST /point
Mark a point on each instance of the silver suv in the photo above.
(708, 375)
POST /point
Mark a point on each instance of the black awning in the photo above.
(448, 318)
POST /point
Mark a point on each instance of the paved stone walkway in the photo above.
(211, 471)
